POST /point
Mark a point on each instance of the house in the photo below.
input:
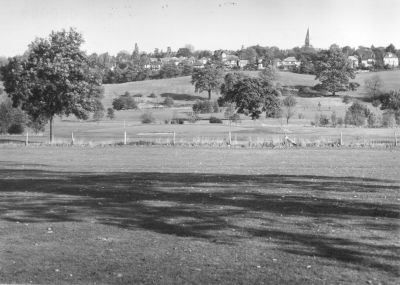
(367, 57)
(391, 60)
(260, 64)
(231, 61)
(276, 62)
(353, 60)
(242, 63)
(290, 62)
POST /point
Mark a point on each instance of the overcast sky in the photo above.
(114, 25)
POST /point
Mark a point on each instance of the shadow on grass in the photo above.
(218, 207)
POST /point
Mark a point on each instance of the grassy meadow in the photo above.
(299, 126)
(131, 215)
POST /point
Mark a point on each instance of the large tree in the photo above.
(333, 70)
(207, 79)
(253, 96)
(54, 78)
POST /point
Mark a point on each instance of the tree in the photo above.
(289, 104)
(110, 113)
(53, 79)
(269, 74)
(169, 70)
(373, 86)
(168, 102)
(333, 70)
(185, 52)
(98, 111)
(357, 114)
(253, 96)
(207, 79)
(390, 48)
(10, 116)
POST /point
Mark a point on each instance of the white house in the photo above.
(353, 60)
(290, 62)
(391, 60)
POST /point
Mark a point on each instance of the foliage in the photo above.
(333, 70)
(389, 119)
(334, 119)
(124, 102)
(323, 120)
(207, 79)
(147, 118)
(346, 99)
(54, 78)
(16, 129)
(98, 115)
(169, 70)
(269, 74)
(390, 100)
(204, 107)
(357, 114)
(230, 80)
(10, 116)
(110, 113)
(37, 125)
(253, 96)
(289, 104)
(152, 95)
(168, 102)
(215, 120)
(373, 86)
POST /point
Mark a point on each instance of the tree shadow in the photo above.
(210, 206)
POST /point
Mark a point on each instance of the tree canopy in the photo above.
(53, 78)
(207, 79)
(334, 70)
(253, 96)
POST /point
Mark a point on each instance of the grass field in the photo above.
(127, 215)
(307, 108)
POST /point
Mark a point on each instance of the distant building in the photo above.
(290, 63)
(353, 60)
(242, 63)
(391, 60)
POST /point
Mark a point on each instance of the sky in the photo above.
(115, 25)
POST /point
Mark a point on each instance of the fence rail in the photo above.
(230, 139)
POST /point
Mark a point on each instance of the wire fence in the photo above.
(229, 140)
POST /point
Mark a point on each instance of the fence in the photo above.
(229, 140)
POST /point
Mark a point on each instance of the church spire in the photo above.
(307, 41)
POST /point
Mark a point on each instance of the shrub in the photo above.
(333, 119)
(376, 103)
(152, 95)
(98, 115)
(110, 113)
(346, 99)
(147, 118)
(16, 129)
(179, 121)
(389, 120)
(10, 116)
(353, 86)
(357, 114)
(124, 102)
(203, 107)
(323, 120)
(340, 121)
(138, 95)
(301, 116)
(372, 120)
(215, 120)
(168, 102)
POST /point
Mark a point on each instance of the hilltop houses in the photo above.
(391, 60)
(290, 63)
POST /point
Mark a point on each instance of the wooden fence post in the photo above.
(341, 138)
(72, 138)
(230, 138)
(27, 139)
(395, 138)
(124, 137)
(173, 139)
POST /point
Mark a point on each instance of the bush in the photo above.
(215, 120)
(124, 102)
(138, 95)
(10, 116)
(353, 86)
(168, 102)
(98, 115)
(340, 121)
(389, 120)
(203, 107)
(147, 118)
(372, 120)
(346, 99)
(16, 129)
(152, 95)
(110, 113)
(323, 120)
(357, 114)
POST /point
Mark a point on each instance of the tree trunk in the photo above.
(51, 129)
(209, 94)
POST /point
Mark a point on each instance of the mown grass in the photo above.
(177, 216)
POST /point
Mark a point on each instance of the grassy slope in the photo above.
(181, 216)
